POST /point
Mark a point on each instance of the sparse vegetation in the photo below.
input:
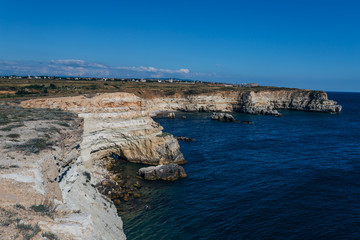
(7, 167)
(33, 88)
(50, 236)
(6, 222)
(46, 207)
(18, 205)
(10, 127)
(164, 134)
(64, 124)
(24, 226)
(87, 175)
(34, 145)
(29, 231)
(13, 135)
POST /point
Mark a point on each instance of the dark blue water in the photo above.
(290, 177)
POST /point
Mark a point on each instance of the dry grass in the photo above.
(35, 88)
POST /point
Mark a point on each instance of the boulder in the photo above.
(171, 115)
(168, 172)
(226, 117)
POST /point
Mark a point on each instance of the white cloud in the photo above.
(76, 62)
(74, 67)
(152, 69)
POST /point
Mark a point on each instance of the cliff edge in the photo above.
(65, 168)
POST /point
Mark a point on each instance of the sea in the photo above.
(290, 177)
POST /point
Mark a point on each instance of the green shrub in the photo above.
(13, 135)
(18, 205)
(164, 134)
(64, 124)
(87, 175)
(50, 236)
(10, 127)
(24, 226)
(46, 208)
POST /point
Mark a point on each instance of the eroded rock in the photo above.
(226, 117)
(171, 115)
(168, 172)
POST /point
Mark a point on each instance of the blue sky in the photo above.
(304, 44)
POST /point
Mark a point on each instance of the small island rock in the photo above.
(226, 117)
(185, 139)
(171, 115)
(168, 172)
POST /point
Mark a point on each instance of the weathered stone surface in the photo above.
(168, 172)
(171, 115)
(259, 102)
(268, 102)
(118, 123)
(54, 176)
(226, 117)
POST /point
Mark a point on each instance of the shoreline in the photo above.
(120, 123)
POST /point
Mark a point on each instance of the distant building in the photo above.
(247, 85)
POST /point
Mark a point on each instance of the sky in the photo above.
(303, 44)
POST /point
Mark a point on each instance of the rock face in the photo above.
(120, 123)
(168, 172)
(44, 166)
(259, 102)
(226, 117)
(268, 102)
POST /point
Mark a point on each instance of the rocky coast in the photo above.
(72, 172)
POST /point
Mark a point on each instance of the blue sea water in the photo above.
(290, 177)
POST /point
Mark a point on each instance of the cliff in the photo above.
(45, 189)
(264, 102)
(120, 124)
(117, 123)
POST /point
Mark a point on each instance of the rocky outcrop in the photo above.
(171, 115)
(268, 102)
(169, 172)
(261, 102)
(225, 117)
(185, 139)
(118, 123)
(219, 101)
(41, 165)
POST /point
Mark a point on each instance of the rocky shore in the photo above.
(115, 124)
(252, 102)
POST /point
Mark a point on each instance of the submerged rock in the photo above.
(226, 117)
(185, 139)
(247, 122)
(168, 172)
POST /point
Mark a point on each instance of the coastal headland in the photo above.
(57, 149)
